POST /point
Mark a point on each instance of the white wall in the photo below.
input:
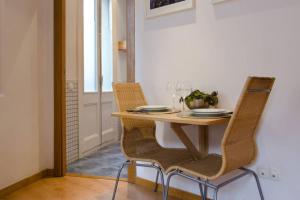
(71, 39)
(26, 110)
(216, 48)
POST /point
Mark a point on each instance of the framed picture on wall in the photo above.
(156, 8)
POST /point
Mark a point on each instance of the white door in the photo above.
(89, 82)
(109, 130)
(96, 126)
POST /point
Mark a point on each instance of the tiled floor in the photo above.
(105, 162)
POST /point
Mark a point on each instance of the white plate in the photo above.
(209, 111)
(153, 107)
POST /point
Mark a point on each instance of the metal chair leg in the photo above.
(160, 172)
(162, 183)
(258, 186)
(205, 193)
(216, 194)
(257, 182)
(168, 184)
(156, 181)
(118, 178)
(201, 189)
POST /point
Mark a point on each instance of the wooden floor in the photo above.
(77, 188)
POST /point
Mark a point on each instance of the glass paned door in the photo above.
(90, 136)
(90, 46)
(96, 126)
(107, 45)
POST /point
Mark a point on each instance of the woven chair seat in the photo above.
(206, 168)
(164, 157)
(148, 150)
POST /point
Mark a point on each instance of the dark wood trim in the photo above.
(130, 15)
(59, 88)
(27, 181)
(130, 40)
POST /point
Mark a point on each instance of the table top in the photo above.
(172, 118)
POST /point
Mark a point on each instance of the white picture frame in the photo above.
(168, 9)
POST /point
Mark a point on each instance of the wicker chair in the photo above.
(238, 144)
(138, 141)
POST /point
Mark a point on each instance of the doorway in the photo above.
(92, 140)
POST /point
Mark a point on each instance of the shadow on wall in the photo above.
(234, 8)
(172, 20)
(167, 138)
(25, 21)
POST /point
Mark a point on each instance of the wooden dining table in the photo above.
(177, 123)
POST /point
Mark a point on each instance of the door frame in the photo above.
(60, 163)
(59, 88)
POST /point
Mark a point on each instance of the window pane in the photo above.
(90, 47)
(107, 46)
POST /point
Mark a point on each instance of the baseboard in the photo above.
(174, 192)
(95, 177)
(27, 181)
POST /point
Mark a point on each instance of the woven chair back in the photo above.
(129, 96)
(239, 141)
(138, 135)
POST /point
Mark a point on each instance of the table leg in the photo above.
(132, 173)
(177, 128)
(203, 140)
